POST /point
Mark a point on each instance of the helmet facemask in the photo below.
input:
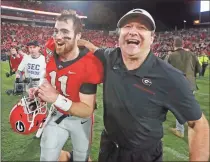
(32, 108)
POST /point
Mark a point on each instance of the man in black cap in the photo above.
(138, 91)
(188, 63)
(33, 65)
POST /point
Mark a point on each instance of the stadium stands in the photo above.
(41, 6)
(21, 34)
(197, 40)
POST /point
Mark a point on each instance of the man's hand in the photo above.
(198, 136)
(17, 75)
(81, 42)
(47, 92)
(32, 92)
(87, 44)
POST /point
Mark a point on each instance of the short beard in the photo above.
(67, 50)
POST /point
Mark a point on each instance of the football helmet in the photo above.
(27, 115)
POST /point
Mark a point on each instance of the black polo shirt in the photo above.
(136, 102)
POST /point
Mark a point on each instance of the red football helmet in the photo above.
(27, 115)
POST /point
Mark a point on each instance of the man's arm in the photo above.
(166, 59)
(82, 109)
(182, 103)
(18, 74)
(100, 53)
(169, 59)
(10, 66)
(85, 107)
(21, 66)
(87, 44)
(198, 137)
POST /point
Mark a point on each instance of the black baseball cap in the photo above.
(33, 43)
(142, 14)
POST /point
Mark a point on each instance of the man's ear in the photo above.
(78, 36)
(152, 37)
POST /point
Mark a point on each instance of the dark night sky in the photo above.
(167, 13)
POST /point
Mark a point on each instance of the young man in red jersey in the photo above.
(72, 75)
(14, 59)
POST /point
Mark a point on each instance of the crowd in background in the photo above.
(196, 40)
(20, 34)
(41, 6)
(38, 5)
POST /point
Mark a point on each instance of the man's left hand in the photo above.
(81, 42)
(47, 92)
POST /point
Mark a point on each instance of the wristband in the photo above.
(63, 103)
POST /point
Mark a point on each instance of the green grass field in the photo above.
(17, 147)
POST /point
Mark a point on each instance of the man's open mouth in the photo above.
(60, 44)
(133, 41)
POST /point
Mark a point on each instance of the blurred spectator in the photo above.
(4, 56)
(204, 61)
(186, 62)
(14, 59)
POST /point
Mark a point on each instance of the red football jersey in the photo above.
(68, 77)
(15, 61)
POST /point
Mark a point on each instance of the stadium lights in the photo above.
(36, 11)
(184, 23)
(196, 22)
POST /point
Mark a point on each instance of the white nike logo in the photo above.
(70, 72)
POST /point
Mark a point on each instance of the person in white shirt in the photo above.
(33, 65)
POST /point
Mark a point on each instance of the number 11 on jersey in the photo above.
(63, 81)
